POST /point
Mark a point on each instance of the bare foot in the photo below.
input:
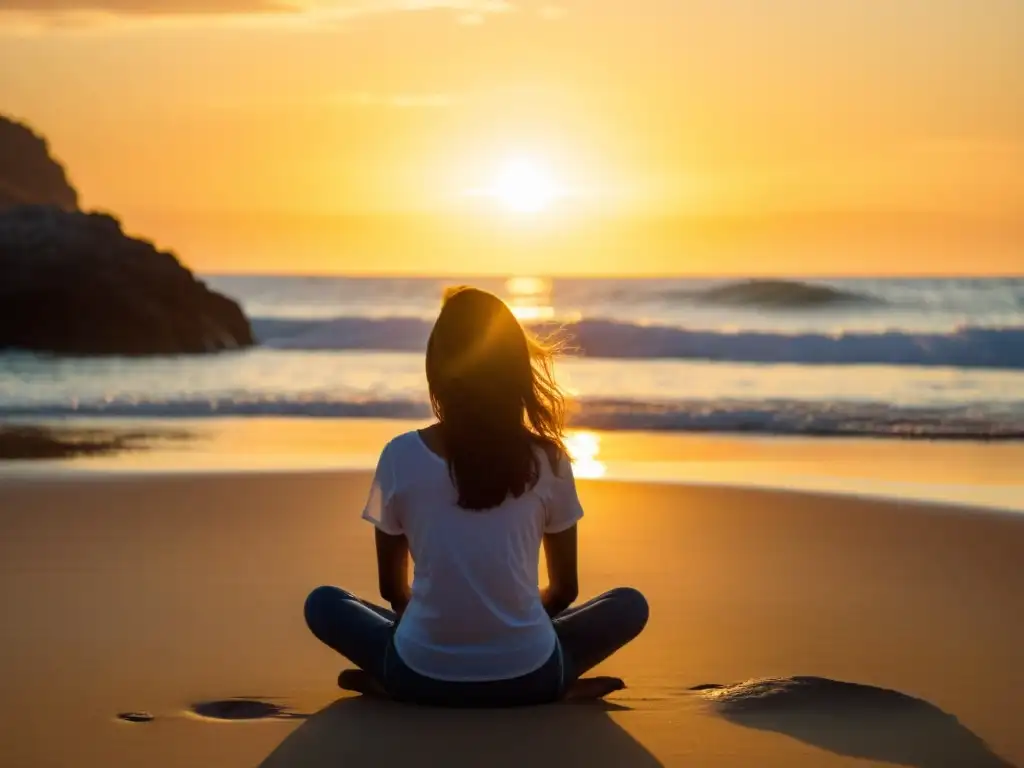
(584, 689)
(591, 688)
(359, 681)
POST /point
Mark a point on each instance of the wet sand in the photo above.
(959, 472)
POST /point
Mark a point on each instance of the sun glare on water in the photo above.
(529, 298)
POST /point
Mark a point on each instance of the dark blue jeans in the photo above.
(587, 634)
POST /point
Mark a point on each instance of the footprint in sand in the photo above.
(853, 720)
(777, 694)
(243, 708)
(135, 717)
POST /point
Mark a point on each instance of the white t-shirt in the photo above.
(475, 612)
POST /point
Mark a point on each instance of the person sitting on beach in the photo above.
(472, 498)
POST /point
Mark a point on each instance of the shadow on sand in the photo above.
(365, 731)
(854, 720)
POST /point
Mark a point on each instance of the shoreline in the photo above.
(979, 475)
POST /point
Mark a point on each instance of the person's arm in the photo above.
(560, 553)
(393, 570)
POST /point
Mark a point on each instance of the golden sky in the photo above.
(749, 136)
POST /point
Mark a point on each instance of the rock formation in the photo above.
(74, 283)
(29, 175)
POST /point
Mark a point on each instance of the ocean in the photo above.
(905, 358)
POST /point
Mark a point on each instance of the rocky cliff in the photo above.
(29, 175)
(74, 283)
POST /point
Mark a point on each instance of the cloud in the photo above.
(150, 7)
(221, 7)
(35, 18)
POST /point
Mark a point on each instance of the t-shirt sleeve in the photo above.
(381, 509)
(562, 508)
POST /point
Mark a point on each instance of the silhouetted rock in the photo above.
(29, 175)
(74, 283)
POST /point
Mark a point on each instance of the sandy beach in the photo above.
(175, 593)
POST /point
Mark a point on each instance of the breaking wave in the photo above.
(779, 417)
(965, 347)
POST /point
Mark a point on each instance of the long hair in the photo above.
(493, 391)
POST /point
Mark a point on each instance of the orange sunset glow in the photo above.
(575, 137)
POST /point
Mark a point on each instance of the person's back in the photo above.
(473, 499)
(475, 612)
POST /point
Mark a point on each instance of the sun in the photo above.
(524, 185)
